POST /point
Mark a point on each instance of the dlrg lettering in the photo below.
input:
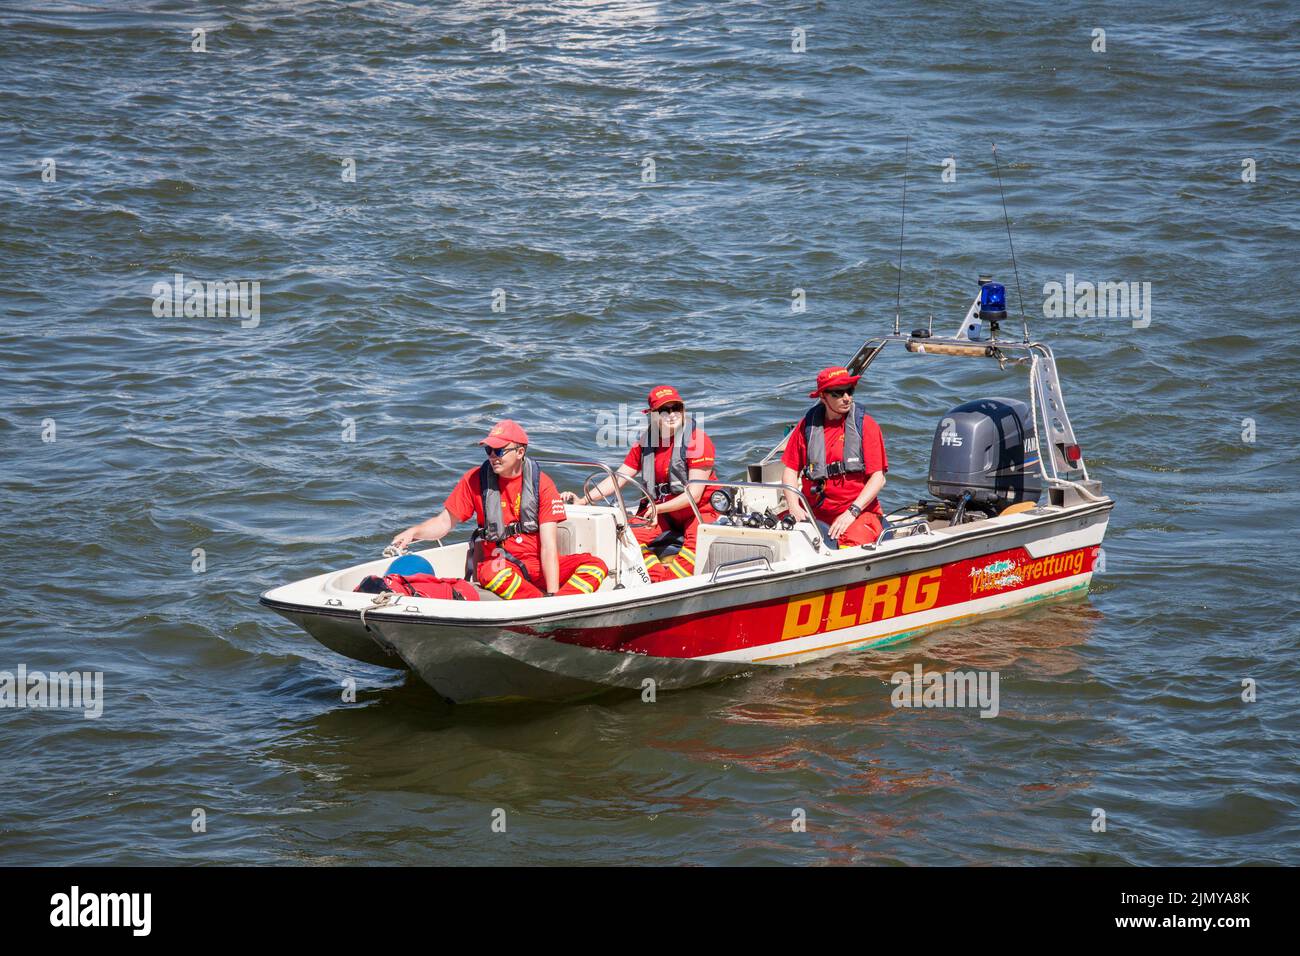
(861, 604)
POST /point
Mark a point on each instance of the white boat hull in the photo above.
(681, 634)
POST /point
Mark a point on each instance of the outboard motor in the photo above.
(985, 453)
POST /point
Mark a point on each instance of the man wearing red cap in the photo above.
(672, 451)
(838, 451)
(517, 508)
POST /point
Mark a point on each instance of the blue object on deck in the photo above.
(409, 564)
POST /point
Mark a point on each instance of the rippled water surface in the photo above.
(522, 170)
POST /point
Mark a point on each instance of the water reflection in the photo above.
(734, 757)
(1039, 644)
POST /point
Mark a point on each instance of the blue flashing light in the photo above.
(993, 298)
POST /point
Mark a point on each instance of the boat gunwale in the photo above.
(377, 613)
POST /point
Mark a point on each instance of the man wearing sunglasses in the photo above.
(672, 451)
(838, 451)
(517, 508)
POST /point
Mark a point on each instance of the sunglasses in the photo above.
(839, 392)
(671, 408)
(500, 452)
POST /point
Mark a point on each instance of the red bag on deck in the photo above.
(426, 585)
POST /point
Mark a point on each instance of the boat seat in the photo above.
(588, 531)
(669, 543)
(583, 532)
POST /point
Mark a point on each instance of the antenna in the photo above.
(998, 168)
(898, 301)
(930, 327)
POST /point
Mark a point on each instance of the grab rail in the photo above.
(894, 529)
(739, 561)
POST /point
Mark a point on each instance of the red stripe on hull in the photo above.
(830, 610)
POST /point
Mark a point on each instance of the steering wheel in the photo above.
(644, 520)
(589, 490)
(647, 520)
(650, 517)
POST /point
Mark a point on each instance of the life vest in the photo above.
(678, 470)
(429, 586)
(495, 529)
(420, 585)
(814, 437)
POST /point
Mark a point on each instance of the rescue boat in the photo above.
(1014, 519)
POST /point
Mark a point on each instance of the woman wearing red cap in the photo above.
(672, 451)
(838, 451)
(517, 508)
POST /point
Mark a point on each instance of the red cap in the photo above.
(505, 432)
(833, 377)
(661, 395)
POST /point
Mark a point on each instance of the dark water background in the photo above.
(522, 170)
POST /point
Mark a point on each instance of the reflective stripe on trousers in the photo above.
(579, 574)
